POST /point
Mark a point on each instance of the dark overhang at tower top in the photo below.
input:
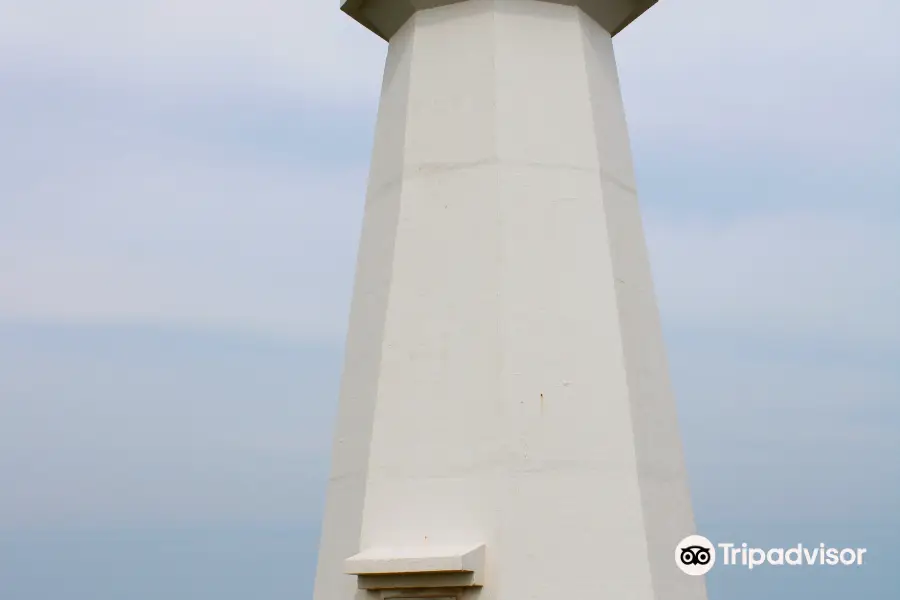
(385, 17)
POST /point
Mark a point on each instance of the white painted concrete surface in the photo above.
(505, 379)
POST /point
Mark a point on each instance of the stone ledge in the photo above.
(421, 567)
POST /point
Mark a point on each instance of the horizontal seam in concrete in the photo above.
(431, 168)
(347, 475)
(607, 176)
(440, 168)
(598, 466)
(426, 170)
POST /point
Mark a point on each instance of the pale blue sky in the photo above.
(181, 186)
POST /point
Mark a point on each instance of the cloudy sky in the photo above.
(181, 191)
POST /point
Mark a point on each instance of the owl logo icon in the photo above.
(695, 555)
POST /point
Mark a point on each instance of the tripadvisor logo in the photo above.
(695, 555)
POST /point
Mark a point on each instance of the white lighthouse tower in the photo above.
(506, 428)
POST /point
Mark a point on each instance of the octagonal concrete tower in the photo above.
(506, 428)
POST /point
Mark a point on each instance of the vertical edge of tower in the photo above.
(343, 515)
